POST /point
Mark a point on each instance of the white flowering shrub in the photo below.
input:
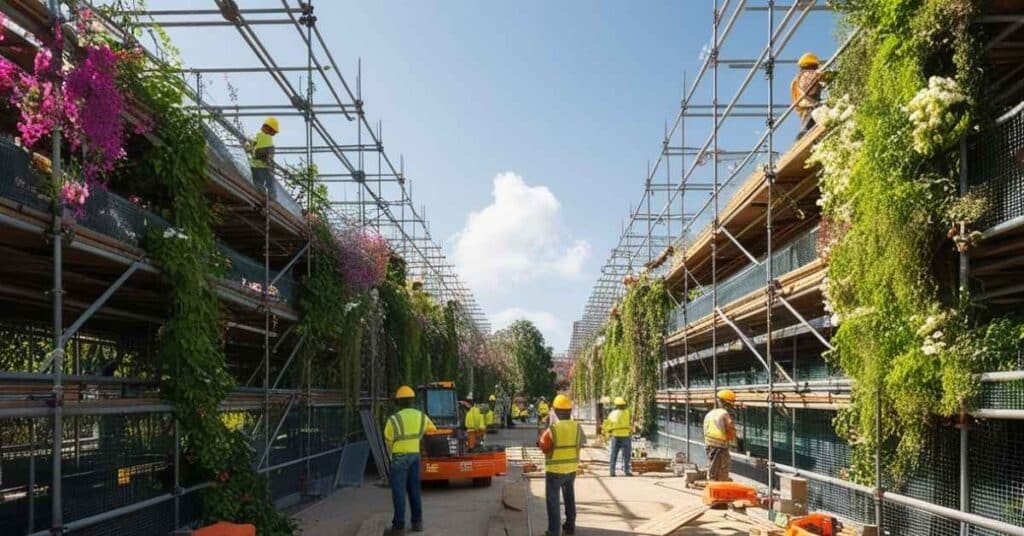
(937, 115)
(834, 154)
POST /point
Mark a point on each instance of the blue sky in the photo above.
(556, 107)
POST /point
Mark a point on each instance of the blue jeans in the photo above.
(624, 444)
(553, 483)
(405, 479)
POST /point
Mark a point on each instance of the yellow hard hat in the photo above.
(562, 402)
(492, 398)
(808, 61)
(273, 124)
(405, 392)
(727, 395)
(619, 401)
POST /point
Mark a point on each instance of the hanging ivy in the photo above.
(627, 363)
(903, 95)
(194, 373)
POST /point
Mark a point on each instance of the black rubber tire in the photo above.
(482, 482)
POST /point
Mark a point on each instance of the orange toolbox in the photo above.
(728, 492)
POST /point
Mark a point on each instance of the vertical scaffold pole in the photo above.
(686, 279)
(964, 269)
(769, 172)
(309, 20)
(714, 194)
(56, 485)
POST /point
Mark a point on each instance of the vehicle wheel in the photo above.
(482, 482)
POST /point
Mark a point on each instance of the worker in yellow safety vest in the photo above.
(489, 415)
(402, 435)
(476, 424)
(719, 433)
(805, 90)
(561, 444)
(542, 411)
(262, 162)
(619, 425)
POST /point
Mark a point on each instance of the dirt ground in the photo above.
(606, 506)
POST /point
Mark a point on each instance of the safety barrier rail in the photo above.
(800, 252)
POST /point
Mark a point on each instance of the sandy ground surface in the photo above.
(456, 508)
(606, 506)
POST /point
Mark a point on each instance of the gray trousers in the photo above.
(718, 464)
(263, 178)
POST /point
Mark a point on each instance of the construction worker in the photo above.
(719, 433)
(542, 411)
(402, 435)
(476, 424)
(489, 415)
(561, 444)
(262, 162)
(619, 425)
(805, 90)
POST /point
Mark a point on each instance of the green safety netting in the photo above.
(994, 167)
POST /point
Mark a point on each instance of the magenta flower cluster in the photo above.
(363, 257)
(74, 195)
(90, 111)
(93, 106)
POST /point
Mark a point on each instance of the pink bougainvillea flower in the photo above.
(74, 195)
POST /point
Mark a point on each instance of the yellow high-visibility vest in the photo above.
(718, 430)
(567, 437)
(489, 417)
(263, 141)
(404, 429)
(542, 410)
(475, 419)
(619, 423)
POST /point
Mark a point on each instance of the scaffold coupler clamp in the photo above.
(307, 19)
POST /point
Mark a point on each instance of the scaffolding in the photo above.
(733, 232)
(304, 443)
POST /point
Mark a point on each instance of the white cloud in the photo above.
(518, 237)
(549, 325)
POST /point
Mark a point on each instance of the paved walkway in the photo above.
(606, 506)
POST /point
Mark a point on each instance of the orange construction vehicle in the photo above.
(449, 453)
(816, 524)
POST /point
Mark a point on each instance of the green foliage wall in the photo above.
(906, 335)
(628, 362)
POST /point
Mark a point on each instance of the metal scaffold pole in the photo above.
(56, 483)
(769, 172)
(714, 217)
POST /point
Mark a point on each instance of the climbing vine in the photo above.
(904, 93)
(627, 363)
(195, 377)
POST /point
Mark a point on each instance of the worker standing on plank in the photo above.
(719, 433)
(542, 411)
(805, 90)
(402, 435)
(619, 425)
(561, 444)
(262, 162)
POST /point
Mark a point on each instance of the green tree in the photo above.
(524, 346)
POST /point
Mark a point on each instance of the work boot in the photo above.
(394, 532)
(417, 526)
(566, 529)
